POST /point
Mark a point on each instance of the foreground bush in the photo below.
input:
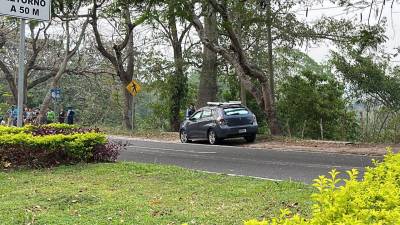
(374, 200)
(43, 146)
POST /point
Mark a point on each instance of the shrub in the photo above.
(43, 146)
(374, 200)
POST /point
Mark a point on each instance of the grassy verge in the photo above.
(130, 193)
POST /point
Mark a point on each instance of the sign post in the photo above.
(24, 9)
(21, 74)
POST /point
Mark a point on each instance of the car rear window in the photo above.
(236, 111)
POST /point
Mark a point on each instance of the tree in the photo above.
(121, 55)
(166, 17)
(37, 43)
(208, 88)
(67, 15)
(312, 105)
(368, 71)
(238, 58)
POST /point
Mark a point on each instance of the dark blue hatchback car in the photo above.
(219, 121)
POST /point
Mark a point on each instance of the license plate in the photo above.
(242, 131)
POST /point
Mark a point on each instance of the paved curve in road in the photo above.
(263, 163)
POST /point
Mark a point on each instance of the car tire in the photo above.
(251, 138)
(184, 137)
(212, 137)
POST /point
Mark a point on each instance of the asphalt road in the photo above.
(233, 160)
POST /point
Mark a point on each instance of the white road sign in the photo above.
(26, 9)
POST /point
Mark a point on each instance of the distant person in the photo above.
(61, 116)
(51, 116)
(9, 116)
(14, 115)
(29, 116)
(70, 115)
(190, 111)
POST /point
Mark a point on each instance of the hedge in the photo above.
(373, 200)
(38, 146)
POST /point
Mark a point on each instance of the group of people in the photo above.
(31, 116)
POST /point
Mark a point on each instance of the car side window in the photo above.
(196, 116)
(206, 113)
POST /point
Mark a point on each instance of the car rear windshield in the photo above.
(236, 111)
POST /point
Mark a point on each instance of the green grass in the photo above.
(131, 193)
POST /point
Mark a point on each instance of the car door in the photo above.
(204, 123)
(192, 125)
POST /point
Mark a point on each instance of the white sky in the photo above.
(321, 53)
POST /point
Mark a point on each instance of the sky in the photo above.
(392, 14)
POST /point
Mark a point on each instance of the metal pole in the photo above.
(21, 73)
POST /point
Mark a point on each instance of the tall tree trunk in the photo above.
(178, 91)
(129, 100)
(270, 110)
(270, 62)
(123, 63)
(208, 88)
(128, 121)
(243, 93)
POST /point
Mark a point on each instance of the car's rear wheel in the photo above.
(184, 137)
(250, 138)
(212, 137)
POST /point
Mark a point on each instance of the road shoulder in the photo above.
(280, 144)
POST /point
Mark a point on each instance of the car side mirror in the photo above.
(192, 119)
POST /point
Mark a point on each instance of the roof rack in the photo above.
(224, 103)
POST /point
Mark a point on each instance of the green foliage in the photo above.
(306, 99)
(48, 145)
(369, 77)
(373, 200)
(79, 146)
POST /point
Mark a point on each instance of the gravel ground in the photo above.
(285, 144)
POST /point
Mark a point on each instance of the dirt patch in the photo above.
(283, 144)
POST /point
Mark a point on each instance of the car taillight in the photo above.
(254, 120)
(221, 121)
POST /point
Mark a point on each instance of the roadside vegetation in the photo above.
(183, 52)
(373, 200)
(132, 193)
(53, 145)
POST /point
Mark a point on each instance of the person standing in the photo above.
(14, 115)
(51, 116)
(61, 116)
(70, 115)
(29, 116)
(190, 111)
(9, 116)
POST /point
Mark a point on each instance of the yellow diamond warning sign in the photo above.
(133, 88)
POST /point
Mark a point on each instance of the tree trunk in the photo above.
(208, 78)
(178, 91)
(118, 59)
(178, 82)
(47, 99)
(270, 53)
(126, 78)
(243, 93)
(128, 121)
(270, 110)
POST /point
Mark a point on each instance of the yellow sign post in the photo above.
(133, 88)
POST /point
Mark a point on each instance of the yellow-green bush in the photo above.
(373, 200)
